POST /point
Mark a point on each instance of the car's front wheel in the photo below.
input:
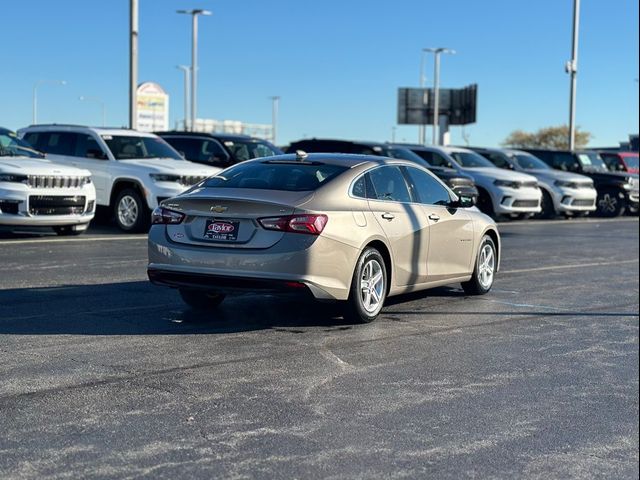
(131, 211)
(368, 288)
(200, 300)
(485, 268)
(610, 204)
(548, 210)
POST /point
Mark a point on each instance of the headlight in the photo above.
(13, 178)
(163, 177)
(560, 183)
(506, 183)
(85, 181)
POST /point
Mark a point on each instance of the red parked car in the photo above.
(621, 161)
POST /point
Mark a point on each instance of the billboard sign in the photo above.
(415, 105)
(152, 112)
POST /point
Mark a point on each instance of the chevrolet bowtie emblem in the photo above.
(218, 209)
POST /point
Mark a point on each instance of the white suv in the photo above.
(503, 193)
(132, 171)
(37, 193)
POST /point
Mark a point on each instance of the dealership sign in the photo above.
(152, 112)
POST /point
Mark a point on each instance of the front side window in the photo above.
(87, 147)
(59, 143)
(388, 184)
(429, 190)
(242, 150)
(529, 162)
(201, 150)
(287, 176)
(438, 160)
(497, 159)
(125, 147)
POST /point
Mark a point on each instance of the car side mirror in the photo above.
(464, 201)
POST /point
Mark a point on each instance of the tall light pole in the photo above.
(275, 103)
(35, 96)
(422, 137)
(186, 71)
(572, 70)
(133, 62)
(436, 87)
(82, 98)
(194, 59)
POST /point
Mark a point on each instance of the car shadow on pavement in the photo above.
(139, 308)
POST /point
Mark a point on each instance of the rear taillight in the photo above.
(164, 216)
(311, 224)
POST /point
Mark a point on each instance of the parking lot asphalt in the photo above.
(104, 375)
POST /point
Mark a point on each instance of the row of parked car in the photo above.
(58, 175)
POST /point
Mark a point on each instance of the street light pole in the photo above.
(572, 70)
(436, 88)
(133, 62)
(186, 71)
(194, 60)
(275, 103)
(82, 98)
(35, 96)
(422, 132)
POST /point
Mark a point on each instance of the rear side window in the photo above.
(389, 185)
(565, 161)
(291, 177)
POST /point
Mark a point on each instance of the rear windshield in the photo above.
(290, 177)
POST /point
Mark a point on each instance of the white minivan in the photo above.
(132, 171)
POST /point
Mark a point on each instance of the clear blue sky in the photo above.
(336, 64)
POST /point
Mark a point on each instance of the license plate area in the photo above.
(221, 230)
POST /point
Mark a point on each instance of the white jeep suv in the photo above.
(132, 171)
(37, 193)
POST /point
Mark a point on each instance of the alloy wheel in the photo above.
(128, 211)
(372, 285)
(486, 266)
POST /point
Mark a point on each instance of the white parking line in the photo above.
(525, 223)
(69, 240)
(562, 267)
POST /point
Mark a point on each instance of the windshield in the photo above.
(471, 159)
(124, 147)
(243, 150)
(592, 162)
(266, 175)
(529, 162)
(406, 154)
(12, 146)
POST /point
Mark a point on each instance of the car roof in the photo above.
(85, 128)
(341, 159)
(217, 136)
(351, 142)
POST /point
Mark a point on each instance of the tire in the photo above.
(609, 204)
(479, 283)
(485, 204)
(368, 288)
(548, 209)
(201, 300)
(131, 212)
(69, 230)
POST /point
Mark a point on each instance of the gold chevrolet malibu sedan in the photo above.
(349, 228)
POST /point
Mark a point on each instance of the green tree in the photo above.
(549, 137)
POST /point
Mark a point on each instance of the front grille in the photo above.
(56, 205)
(525, 203)
(191, 179)
(582, 203)
(9, 207)
(56, 181)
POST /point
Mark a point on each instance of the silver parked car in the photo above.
(350, 228)
(563, 193)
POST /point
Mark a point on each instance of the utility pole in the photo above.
(194, 60)
(275, 103)
(186, 71)
(133, 62)
(572, 70)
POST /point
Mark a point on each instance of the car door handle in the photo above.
(388, 216)
(434, 217)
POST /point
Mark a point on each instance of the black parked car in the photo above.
(218, 149)
(617, 191)
(461, 184)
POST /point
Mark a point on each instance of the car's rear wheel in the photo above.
(484, 271)
(201, 300)
(368, 288)
(610, 204)
(131, 211)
